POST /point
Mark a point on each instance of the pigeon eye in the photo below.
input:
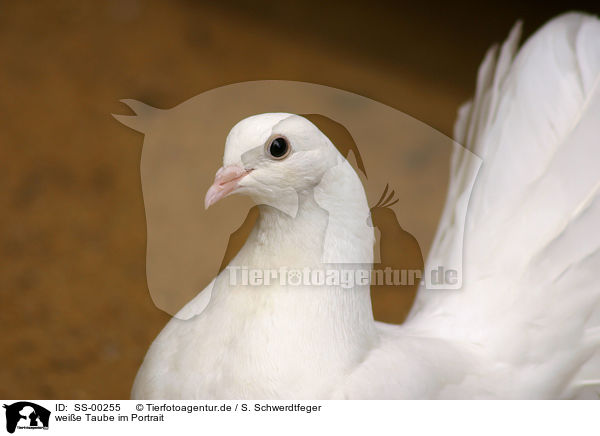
(278, 148)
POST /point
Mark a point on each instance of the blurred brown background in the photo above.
(76, 315)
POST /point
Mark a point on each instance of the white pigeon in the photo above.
(526, 323)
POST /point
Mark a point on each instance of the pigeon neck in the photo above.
(290, 312)
(292, 241)
(329, 228)
(328, 238)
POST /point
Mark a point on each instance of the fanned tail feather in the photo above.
(531, 263)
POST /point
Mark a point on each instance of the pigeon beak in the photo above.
(226, 181)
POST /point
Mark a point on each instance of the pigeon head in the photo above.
(273, 158)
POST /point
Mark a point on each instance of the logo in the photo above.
(179, 158)
(26, 415)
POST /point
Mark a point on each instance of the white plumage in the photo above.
(526, 323)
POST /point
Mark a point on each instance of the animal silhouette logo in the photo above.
(186, 243)
(26, 415)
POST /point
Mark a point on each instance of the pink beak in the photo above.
(226, 181)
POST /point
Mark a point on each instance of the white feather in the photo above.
(531, 247)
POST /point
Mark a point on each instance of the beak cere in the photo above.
(226, 181)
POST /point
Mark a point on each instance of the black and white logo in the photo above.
(26, 415)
